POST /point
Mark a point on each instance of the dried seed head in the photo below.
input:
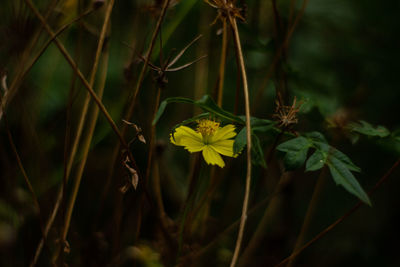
(286, 115)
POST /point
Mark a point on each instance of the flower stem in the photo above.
(248, 136)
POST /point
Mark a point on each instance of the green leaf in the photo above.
(316, 137)
(257, 125)
(263, 127)
(206, 103)
(294, 144)
(342, 176)
(296, 152)
(164, 104)
(331, 152)
(366, 128)
(240, 141)
(254, 121)
(316, 161)
(334, 153)
(257, 152)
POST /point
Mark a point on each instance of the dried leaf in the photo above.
(124, 188)
(133, 173)
(141, 138)
(67, 248)
(138, 130)
(4, 83)
(185, 65)
(182, 52)
(3, 98)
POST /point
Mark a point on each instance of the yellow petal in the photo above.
(183, 133)
(223, 133)
(224, 147)
(212, 157)
(192, 145)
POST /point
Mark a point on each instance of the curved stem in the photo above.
(248, 137)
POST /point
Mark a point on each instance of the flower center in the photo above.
(207, 128)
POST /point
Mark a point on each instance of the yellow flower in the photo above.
(208, 138)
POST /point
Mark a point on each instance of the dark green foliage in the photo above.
(339, 164)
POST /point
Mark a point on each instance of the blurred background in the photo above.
(339, 58)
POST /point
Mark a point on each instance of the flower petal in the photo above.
(183, 133)
(192, 145)
(224, 147)
(223, 133)
(212, 157)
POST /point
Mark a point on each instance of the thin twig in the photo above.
(282, 48)
(221, 74)
(310, 212)
(51, 39)
(235, 224)
(22, 169)
(248, 137)
(129, 113)
(87, 85)
(86, 147)
(152, 147)
(27, 52)
(146, 63)
(338, 221)
(80, 75)
(201, 71)
(88, 97)
(93, 121)
(260, 231)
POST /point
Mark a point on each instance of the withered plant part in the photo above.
(226, 9)
(133, 175)
(3, 96)
(166, 66)
(139, 132)
(286, 115)
(155, 9)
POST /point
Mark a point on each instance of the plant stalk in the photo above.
(248, 137)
